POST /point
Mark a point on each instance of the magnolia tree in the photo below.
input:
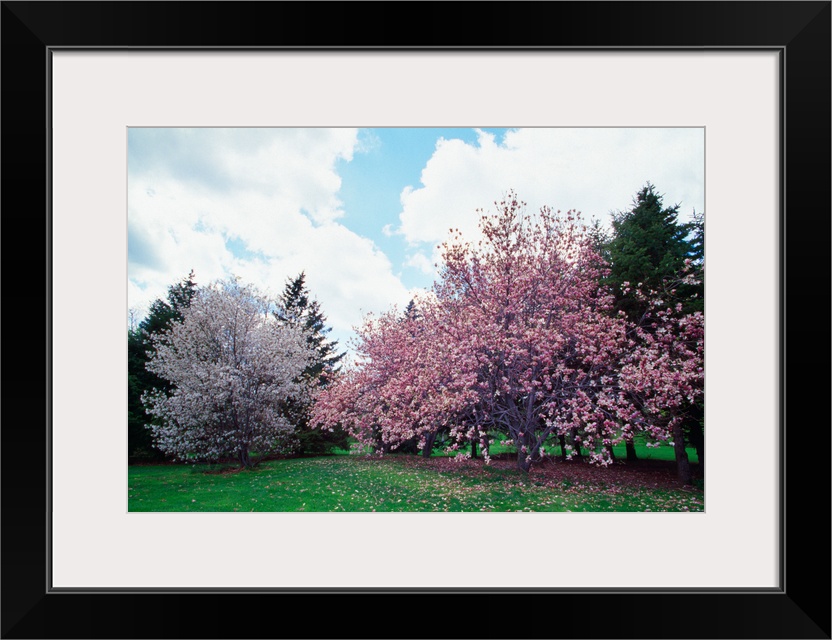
(664, 374)
(233, 370)
(546, 345)
(406, 384)
(519, 338)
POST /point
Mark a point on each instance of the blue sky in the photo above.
(362, 210)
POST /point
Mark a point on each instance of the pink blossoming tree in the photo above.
(408, 383)
(664, 373)
(547, 348)
(518, 338)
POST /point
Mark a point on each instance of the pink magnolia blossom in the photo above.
(518, 337)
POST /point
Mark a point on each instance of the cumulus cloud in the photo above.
(421, 262)
(594, 171)
(259, 204)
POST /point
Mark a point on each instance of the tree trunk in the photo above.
(631, 450)
(562, 441)
(576, 444)
(379, 444)
(474, 446)
(524, 462)
(611, 452)
(697, 441)
(528, 451)
(430, 438)
(682, 462)
(245, 459)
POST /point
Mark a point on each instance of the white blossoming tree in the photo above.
(234, 371)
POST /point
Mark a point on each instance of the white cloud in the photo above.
(421, 262)
(594, 171)
(261, 205)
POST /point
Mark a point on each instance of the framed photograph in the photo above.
(93, 90)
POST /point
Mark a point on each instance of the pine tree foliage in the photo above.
(648, 250)
(161, 315)
(411, 311)
(297, 308)
(648, 245)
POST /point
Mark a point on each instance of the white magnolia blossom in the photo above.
(233, 367)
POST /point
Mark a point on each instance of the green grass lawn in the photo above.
(403, 483)
(663, 452)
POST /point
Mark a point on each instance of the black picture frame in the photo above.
(799, 31)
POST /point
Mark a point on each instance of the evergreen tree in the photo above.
(694, 296)
(139, 380)
(648, 245)
(694, 300)
(411, 312)
(600, 238)
(298, 309)
(697, 242)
